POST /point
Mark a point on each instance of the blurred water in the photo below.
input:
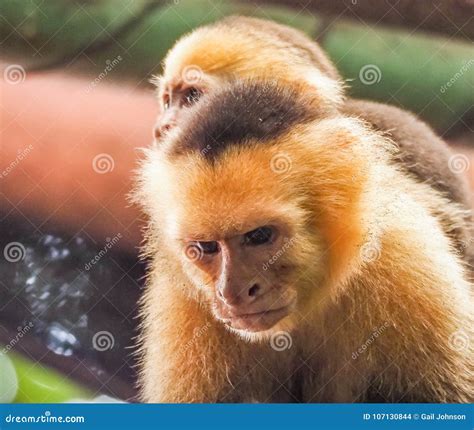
(47, 283)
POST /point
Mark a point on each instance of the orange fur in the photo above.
(341, 194)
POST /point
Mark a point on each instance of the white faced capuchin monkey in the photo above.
(292, 260)
(240, 47)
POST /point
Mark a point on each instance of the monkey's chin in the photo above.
(286, 324)
(255, 327)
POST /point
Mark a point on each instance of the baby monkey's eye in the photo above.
(210, 247)
(191, 96)
(259, 236)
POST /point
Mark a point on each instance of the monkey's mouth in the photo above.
(256, 321)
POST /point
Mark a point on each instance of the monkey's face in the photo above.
(178, 93)
(241, 237)
(247, 257)
(251, 288)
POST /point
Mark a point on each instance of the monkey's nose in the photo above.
(239, 296)
(254, 290)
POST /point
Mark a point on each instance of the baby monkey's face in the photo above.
(176, 94)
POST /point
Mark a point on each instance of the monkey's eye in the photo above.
(191, 96)
(259, 236)
(210, 247)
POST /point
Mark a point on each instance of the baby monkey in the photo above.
(292, 260)
(241, 47)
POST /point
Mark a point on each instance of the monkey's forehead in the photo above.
(240, 113)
